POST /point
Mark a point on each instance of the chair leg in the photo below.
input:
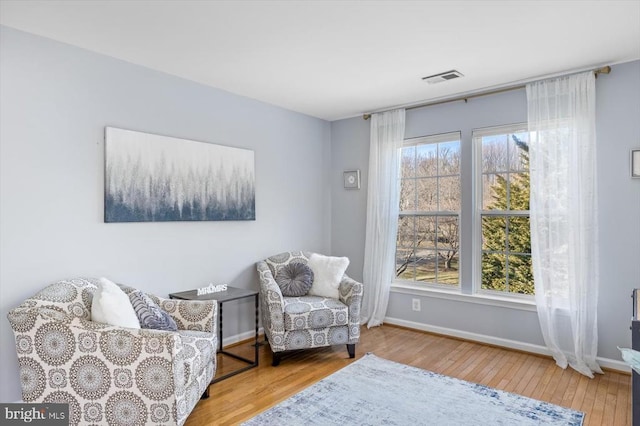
(205, 395)
(351, 348)
(276, 359)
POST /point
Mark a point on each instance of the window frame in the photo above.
(430, 140)
(478, 212)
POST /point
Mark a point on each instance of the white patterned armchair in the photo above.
(107, 374)
(292, 323)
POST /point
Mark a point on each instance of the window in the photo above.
(503, 210)
(428, 242)
(429, 224)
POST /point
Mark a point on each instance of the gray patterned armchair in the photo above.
(292, 323)
(113, 375)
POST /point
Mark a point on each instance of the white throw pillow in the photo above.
(112, 306)
(327, 272)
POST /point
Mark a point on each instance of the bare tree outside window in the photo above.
(428, 240)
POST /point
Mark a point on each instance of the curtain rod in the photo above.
(602, 70)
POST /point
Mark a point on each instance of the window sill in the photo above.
(481, 299)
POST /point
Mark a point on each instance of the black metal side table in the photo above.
(232, 293)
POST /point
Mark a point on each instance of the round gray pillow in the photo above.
(294, 279)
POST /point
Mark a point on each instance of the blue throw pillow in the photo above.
(294, 279)
(150, 315)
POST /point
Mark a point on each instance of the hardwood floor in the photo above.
(606, 399)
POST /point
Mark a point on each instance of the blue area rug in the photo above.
(375, 391)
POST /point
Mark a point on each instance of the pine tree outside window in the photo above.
(504, 264)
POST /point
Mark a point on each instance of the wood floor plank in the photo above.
(537, 376)
(522, 376)
(561, 387)
(581, 390)
(611, 397)
(606, 399)
(464, 349)
(600, 398)
(554, 379)
(476, 357)
(621, 415)
(589, 400)
(511, 359)
(527, 375)
(488, 371)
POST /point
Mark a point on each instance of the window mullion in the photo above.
(506, 254)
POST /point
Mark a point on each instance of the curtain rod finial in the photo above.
(366, 116)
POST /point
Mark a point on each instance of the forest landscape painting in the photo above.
(152, 178)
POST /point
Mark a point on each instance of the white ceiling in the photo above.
(338, 59)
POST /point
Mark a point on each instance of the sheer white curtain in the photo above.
(387, 136)
(564, 228)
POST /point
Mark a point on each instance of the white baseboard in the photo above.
(609, 363)
(226, 341)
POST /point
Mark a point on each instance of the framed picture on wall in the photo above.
(351, 179)
(154, 178)
(635, 163)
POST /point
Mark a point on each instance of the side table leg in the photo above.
(256, 345)
(220, 329)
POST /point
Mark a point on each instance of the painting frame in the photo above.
(351, 179)
(635, 163)
(156, 178)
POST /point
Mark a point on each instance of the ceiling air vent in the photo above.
(443, 76)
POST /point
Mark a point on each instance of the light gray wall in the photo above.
(55, 101)
(618, 130)
(349, 151)
(618, 109)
